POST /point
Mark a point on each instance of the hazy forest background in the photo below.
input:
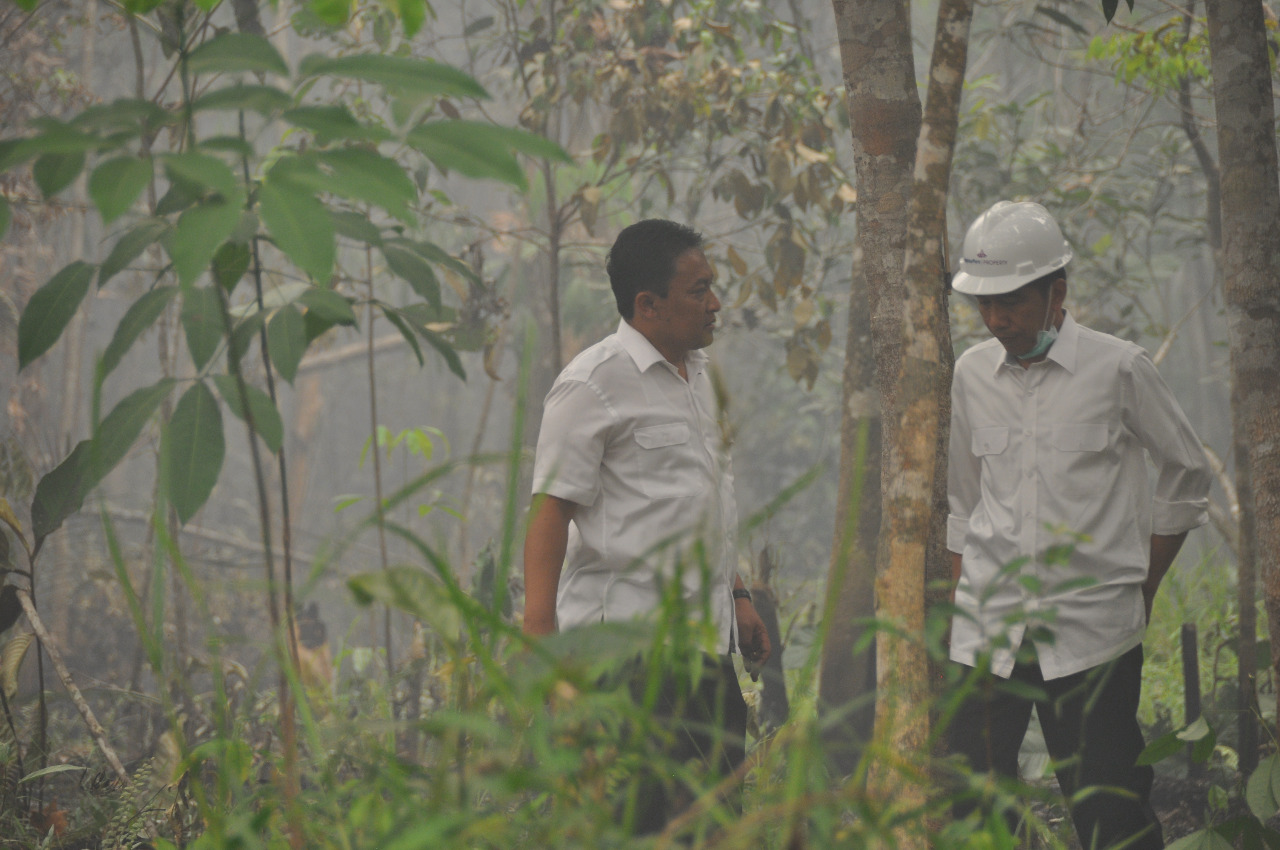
(376, 231)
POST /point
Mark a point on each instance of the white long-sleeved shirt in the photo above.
(639, 450)
(1057, 454)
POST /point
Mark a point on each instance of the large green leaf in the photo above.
(407, 263)
(140, 316)
(193, 449)
(405, 328)
(265, 100)
(50, 309)
(287, 340)
(267, 423)
(450, 146)
(329, 306)
(246, 331)
(54, 172)
(199, 233)
(1262, 792)
(205, 170)
(130, 245)
(115, 184)
(61, 493)
(125, 116)
(445, 350)
(5, 215)
(332, 123)
(300, 225)
(1203, 839)
(365, 175)
(119, 430)
(356, 227)
(233, 52)
(414, 591)
(230, 263)
(202, 323)
(402, 73)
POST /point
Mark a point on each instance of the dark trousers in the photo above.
(1091, 728)
(701, 729)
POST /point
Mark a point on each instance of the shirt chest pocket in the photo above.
(1079, 458)
(999, 471)
(667, 460)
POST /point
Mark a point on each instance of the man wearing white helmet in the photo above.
(1058, 542)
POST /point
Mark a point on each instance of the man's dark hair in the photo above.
(643, 259)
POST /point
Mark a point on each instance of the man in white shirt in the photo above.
(632, 483)
(1058, 543)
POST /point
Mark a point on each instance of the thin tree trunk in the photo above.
(1251, 266)
(912, 460)
(884, 111)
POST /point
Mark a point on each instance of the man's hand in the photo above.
(753, 637)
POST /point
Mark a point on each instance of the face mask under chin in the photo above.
(1045, 337)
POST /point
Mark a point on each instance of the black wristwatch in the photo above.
(741, 593)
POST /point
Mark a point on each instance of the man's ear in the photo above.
(646, 305)
(1058, 292)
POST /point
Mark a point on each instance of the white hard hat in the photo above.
(1007, 247)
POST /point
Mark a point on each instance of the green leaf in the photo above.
(119, 430)
(1262, 792)
(330, 123)
(267, 423)
(328, 306)
(61, 492)
(413, 591)
(413, 14)
(50, 770)
(402, 73)
(193, 448)
(332, 12)
(57, 137)
(199, 233)
(50, 309)
(233, 52)
(406, 330)
(448, 145)
(128, 116)
(1109, 9)
(6, 215)
(244, 334)
(233, 145)
(115, 184)
(301, 227)
(230, 263)
(1204, 839)
(54, 172)
(357, 227)
(445, 350)
(265, 100)
(140, 316)
(202, 323)
(205, 170)
(406, 263)
(365, 175)
(287, 340)
(130, 245)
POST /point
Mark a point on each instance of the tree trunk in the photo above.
(912, 462)
(884, 111)
(1251, 264)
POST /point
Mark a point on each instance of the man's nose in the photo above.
(715, 303)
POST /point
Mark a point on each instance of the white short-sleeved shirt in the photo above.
(639, 450)
(1042, 454)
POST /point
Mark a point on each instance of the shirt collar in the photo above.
(645, 355)
(1063, 351)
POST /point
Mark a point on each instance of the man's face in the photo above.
(1015, 318)
(687, 314)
